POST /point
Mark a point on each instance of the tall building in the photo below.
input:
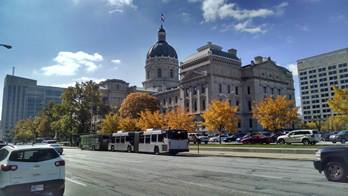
(162, 66)
(212, 73)
(317, 76)
(23, 98)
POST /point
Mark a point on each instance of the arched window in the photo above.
(159, 73)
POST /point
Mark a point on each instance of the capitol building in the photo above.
(208, 74)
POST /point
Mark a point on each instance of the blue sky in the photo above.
(60, 42)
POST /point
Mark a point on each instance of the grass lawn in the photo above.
(258, 145)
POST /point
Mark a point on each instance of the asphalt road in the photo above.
(90, 173)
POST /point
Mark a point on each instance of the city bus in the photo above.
(94, 142)
(154, 141)
(124, 141)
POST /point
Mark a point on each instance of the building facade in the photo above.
(214, 74)
(23, 98)
(318, 74)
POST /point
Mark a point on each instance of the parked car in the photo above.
(217, 138)
(202, 139)
(325, 136)
(49, 141)
(234, 137)
(341, 136)
(31, 169)
(300, 136)
(2, 144)
(57, 147)
(333, 161)
(256, 138)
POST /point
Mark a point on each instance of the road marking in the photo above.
(75, 181)
(265, 176)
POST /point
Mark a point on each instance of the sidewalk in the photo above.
(284, 156)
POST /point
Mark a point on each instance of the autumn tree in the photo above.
(24, 131)
(335, 123)
(110, 124)
(129, 124)
(179, 119)
(339, 102)
(150, 119)
(135, 103)
(220, 116)
(274, 113)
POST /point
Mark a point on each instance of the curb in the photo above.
(259, 150)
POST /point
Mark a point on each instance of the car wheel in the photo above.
(281, 141)
(343, 141)
(305, 142)
(58, 192)
(334, 142)
(206, 142)
(112, 148)
(313, 143)
(335, 171)
(129, 149)
(156, 151)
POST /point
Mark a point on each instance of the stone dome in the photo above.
(161, 47)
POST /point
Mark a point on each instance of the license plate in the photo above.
(36, 188)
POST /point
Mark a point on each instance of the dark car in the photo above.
(256, 138)
(333, 161)
(234, 137)
(325, 136)
(341, 136)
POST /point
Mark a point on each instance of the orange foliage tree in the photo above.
(129, 124)
(275, 113)
(221, 116)
(150, 119)
(135, 103)
(179, 119)
(110, 124)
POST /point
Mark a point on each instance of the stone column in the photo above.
(190, 101)
(198, 100)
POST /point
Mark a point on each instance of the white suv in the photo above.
(300, 136)
(31, 169)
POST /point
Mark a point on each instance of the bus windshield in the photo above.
(177, 134)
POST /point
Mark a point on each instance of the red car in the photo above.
(256, 138)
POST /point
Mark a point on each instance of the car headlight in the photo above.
(318, 155)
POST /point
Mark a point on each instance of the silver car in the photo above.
(300, 136)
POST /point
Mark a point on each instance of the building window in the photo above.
(265, 90)
(249, 105)
(159, 73)
(237, 90)
(220, 88)
(279, 91)
(203, 104)
(228, 89)
(195, 106)
(272, 91)
(203, 89)
(239, 125)
(176, 99)
(171, 73)
(250, 123)
(248, 90)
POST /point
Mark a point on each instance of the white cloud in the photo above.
(280, 8)
(81, 79)
(68, 63)
(119, 5)
(293, 69)
(219, 9)
(246, 27)
(116, 61)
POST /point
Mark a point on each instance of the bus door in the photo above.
(134, 140)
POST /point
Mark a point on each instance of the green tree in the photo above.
(25, 131)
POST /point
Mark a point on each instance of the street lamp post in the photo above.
(6, 46)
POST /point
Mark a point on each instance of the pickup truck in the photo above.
(333, 161)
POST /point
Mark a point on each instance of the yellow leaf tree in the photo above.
(110, 124)
(129, 124)
(179, 119)
(339, 102)
(220, 116)
(335, 123)
(150, 119)
(135, 103)
(275, 113)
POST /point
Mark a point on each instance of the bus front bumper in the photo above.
(174, 151)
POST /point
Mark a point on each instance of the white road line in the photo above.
(75, 181)
(265, 176)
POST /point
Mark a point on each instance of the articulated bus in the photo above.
(170, 141)
(94, 142)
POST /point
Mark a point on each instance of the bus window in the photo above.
(153, 138)
(127, 138)
(177, 135)
(122, 139)
(113, 140)
(160, 137)
(147, 139)
(141, 139)
(118, 139)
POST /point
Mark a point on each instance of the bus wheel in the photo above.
(156, 151)
(112, 148)
(93, 147)
(129, 149)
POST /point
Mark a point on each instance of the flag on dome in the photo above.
(162, 18)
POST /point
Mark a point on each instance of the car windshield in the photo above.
(342, 133)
